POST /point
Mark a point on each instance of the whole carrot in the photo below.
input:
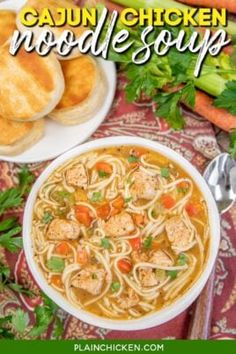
(204, 106)
(230, 5)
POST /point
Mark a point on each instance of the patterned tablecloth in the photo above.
(196, 143)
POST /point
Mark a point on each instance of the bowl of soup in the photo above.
(121, 233)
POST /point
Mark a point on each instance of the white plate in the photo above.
(59, 138)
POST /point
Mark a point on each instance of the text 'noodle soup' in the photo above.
(120, 232)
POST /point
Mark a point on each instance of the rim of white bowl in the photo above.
(158, 317)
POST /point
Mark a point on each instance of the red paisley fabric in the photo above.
(195, 143)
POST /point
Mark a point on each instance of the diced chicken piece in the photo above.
(161, 258)
(178, 233)
(138, 257)
(83, 257)
(119, 225)
(128, 300)
(144, 186)
(90, 280)
(148, 277)
(77, 176)
(60, 229)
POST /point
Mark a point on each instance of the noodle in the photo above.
(112, 232)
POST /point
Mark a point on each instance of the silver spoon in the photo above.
(220, 176)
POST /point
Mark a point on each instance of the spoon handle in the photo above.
(202, 313)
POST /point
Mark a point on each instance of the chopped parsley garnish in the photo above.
(47, 218)
(97, 197)
(133, 159)
(62, 196)
(182, 260)
(56, 264)
(165, 172)
(127, 200)
(115, 287)
(154, 214)
(172, 273)
(102, 174)
(94, 276)
(148, 242)
(105, 243)
(182, 190)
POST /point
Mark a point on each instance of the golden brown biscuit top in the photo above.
(7, 25)
(27, 83)
(12, 132)
(80, 77)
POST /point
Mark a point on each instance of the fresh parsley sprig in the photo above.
(13, 197)
(227, 99)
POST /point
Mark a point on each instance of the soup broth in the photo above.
(120, 232)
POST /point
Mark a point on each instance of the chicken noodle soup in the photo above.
(120, 232)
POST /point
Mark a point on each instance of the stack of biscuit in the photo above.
(32, 88)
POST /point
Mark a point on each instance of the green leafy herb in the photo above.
(133, 159)
(115, 286)
(94, 276)
(182, 190)
(4, 272)
(227, 99)
(148, 242)
(13, 197)
(58, 328)
(17, 323)
(45, 315)
(44, 318)
(182, 260)
(7, 282)
(10, 198)
(20, 320)
(154, 214)
(26, 178)
(47, 218)
(96, 197)
(20, 289)
(64, 196)
(7, 224)
(105, 243)
(5, 332)
(12, 244)
(232, 145)
(165, 172)
(102, 174)
(127, 200)
(49, 303)
(169, 105)
(172, 274)
(56, 264)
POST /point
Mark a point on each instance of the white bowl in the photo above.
(158, 317)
